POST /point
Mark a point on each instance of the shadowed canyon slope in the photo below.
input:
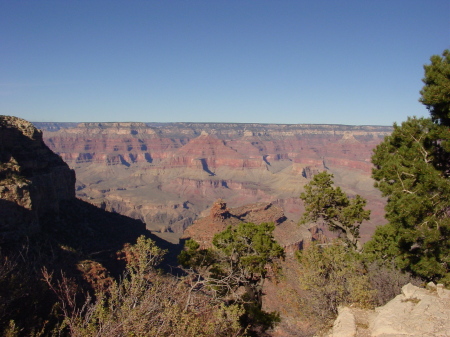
(37, 197)
(167, 174)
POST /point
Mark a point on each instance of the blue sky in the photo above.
(327, 62)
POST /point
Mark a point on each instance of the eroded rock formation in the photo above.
(287, 233)
(33, 180)
(167, 174)
(37, 195)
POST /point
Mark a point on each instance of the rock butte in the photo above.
(167, 174)
(287, 233)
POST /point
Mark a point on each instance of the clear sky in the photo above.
(249, 61)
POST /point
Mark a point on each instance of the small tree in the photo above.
(237, 265)
(330, 204)
(250, 249)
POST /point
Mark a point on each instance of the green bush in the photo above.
(236, 267)
(331, 276)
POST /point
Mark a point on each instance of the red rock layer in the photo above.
(144, 170)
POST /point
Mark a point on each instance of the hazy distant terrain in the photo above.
(167, 174)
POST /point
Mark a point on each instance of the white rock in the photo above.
(443, 293)
(345, 325)
(416, 312)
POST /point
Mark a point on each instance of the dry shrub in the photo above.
(332, 276)
(145, 303)
(155, 308)
(8, 269)
(388, 281)
(96, 275)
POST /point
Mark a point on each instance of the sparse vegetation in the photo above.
(143, 302)
(333, 275)
(342, 273)
(236, 267)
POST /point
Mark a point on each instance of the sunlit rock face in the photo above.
(415, 312)
(167, 174)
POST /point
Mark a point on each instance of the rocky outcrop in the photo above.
(33, 180)
(37, 199)
(415, 312)
(287, 233)
(345, 324)
(219, 211)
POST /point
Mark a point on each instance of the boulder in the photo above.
(345, 324)
(415, 312)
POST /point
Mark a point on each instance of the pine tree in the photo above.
(237, 266)
(436, 91)
(412, 170)
(331, 205)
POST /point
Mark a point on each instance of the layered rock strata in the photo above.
(287, 233)
(167, 174)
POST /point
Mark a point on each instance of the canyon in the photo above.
(38, 198)
(167, 175)
(186, 183)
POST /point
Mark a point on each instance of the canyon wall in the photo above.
(33, 180)
(167, 174)
(38, 202)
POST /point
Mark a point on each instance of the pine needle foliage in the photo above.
(235, 268)
(412, 169)
(324, 202)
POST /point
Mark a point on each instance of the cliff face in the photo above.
(167, 174)
(33, 180)
(234, 145)
(37, 194)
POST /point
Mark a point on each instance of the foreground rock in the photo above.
(415, 312)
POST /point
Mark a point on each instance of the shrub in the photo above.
(387, 281)
(331, 276)
(144, 303)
